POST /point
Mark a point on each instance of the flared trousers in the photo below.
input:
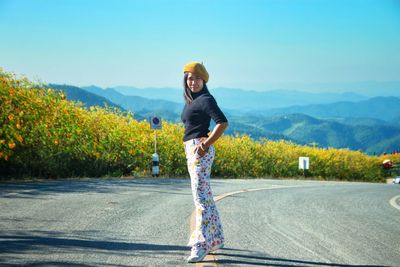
(208, 230)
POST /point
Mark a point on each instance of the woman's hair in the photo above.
(187, 95)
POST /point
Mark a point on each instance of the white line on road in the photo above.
(393, 202)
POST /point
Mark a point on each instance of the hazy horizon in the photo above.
(367, 88)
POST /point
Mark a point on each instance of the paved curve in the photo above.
(146, 223)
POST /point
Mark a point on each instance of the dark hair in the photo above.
(187, 95)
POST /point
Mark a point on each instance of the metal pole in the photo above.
(155, 141)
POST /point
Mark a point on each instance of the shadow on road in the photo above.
(47, 248)
(21, 243)
(37, 189)
(240, 259)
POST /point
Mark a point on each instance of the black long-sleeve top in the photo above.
(197, 115)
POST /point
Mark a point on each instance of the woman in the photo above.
(199, 109)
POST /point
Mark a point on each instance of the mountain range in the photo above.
(304, 129)
(383, 108)
(343, 120)
(88, 99)
(239, 99)
(141, 106)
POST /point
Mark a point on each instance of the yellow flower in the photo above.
(91, 108)
(20, 139)
(2, 142)
(56, 142)
(11, 145)
(11, 117)
(18, 125)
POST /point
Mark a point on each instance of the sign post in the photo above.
(155, 124)
(304, 164)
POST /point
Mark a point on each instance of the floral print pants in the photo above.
(208, 231)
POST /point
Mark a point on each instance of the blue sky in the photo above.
(249, 44)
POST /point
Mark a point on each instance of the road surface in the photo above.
(118, 222)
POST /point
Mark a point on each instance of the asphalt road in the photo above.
(146, 223)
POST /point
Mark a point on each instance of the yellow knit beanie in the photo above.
(198, 69)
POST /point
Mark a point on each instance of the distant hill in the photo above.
(139, 105)
(383, 108)
(245, 100)
(252, 130)
(88, 99)
(236, 101)
(304, 129)
(366, 88)
(169, 94)
(363, 121)
(252, 100)
(395, 121)
(385, 145)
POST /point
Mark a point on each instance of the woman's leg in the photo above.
(208, 231)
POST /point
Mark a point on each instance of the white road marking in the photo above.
(394, 203)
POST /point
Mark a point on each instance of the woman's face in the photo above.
(194, 82)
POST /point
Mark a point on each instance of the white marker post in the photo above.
(155, 124)
(304, 164)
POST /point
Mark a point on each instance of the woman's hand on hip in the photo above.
(199, 151)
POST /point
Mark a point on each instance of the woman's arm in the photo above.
(216, 133)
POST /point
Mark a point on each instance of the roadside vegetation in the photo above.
(44, 135)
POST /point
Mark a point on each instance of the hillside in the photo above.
(387, 145)
(168, 94)
(141, 106)
(383, 108)
(395, 121)
(304, 129)
(239, 99)
(253, 100)
(88, 99)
